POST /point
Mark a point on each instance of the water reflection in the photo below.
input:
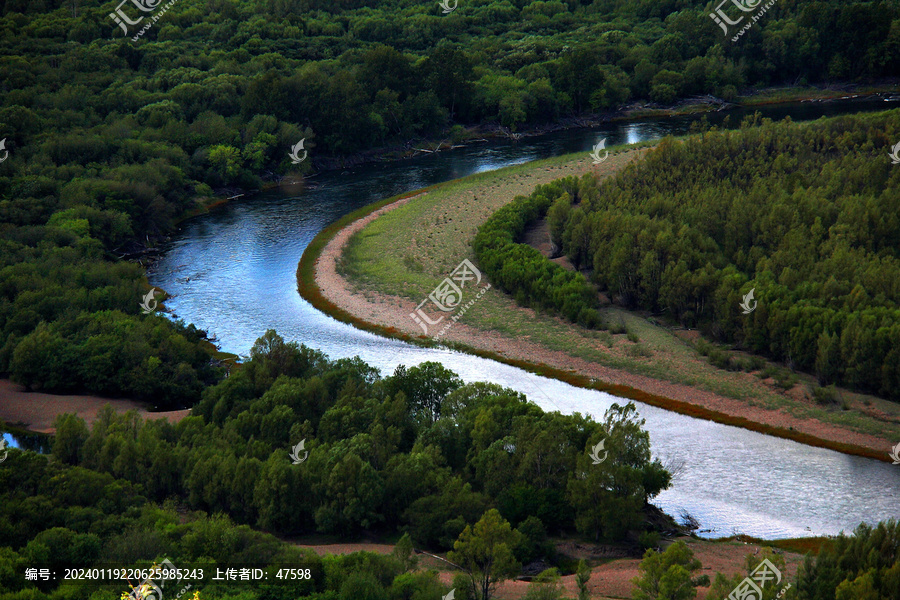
(233, 273)
(36, 442)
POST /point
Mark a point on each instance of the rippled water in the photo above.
(232, 273)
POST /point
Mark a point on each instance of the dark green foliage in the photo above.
(112, 141)
(71, 433)
(373, 462)
(804, 215)
(69, 319)
(220, 475)
(524, 272)
(425, 387)
(864, 565)
(608, 497)
(535, 544)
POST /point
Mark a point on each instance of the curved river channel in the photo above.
(232, 273)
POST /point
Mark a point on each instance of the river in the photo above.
(232, 273)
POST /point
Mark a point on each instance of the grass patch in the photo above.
(638, 351)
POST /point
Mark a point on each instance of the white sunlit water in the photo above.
(232, 273)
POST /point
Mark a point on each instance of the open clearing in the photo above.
(36, 411)
(609, 578)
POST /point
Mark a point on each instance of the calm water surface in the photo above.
(232, 273)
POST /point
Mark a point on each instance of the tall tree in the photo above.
(485, 552)
(668, 575)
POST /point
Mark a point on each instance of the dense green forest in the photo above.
(416, 452)
(807, 216)
(110, 141)
(474, 469)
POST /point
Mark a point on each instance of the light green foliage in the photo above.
(425, 387)
(864, 565)
(546, 586)
(667, 575)
(582, 577)
(405, 553)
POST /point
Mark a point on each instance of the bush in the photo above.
(638, 351)
(648, 539)
(826, 396)
(589, 318)
(721, 360)
(523, 272)
(545, 586)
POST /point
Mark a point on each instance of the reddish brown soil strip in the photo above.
(613, 579)
(324, 549)
(389, 315)
(36, 411)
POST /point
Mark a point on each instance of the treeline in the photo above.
(416, 452)
(56, 516)
(110, 141)
(452, 466)
(862, 566)
(70, 318)
(475, 468)
(355, 76)
(522, 271)
(807, 216)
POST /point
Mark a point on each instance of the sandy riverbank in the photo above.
(390, 314)
(36, 411)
